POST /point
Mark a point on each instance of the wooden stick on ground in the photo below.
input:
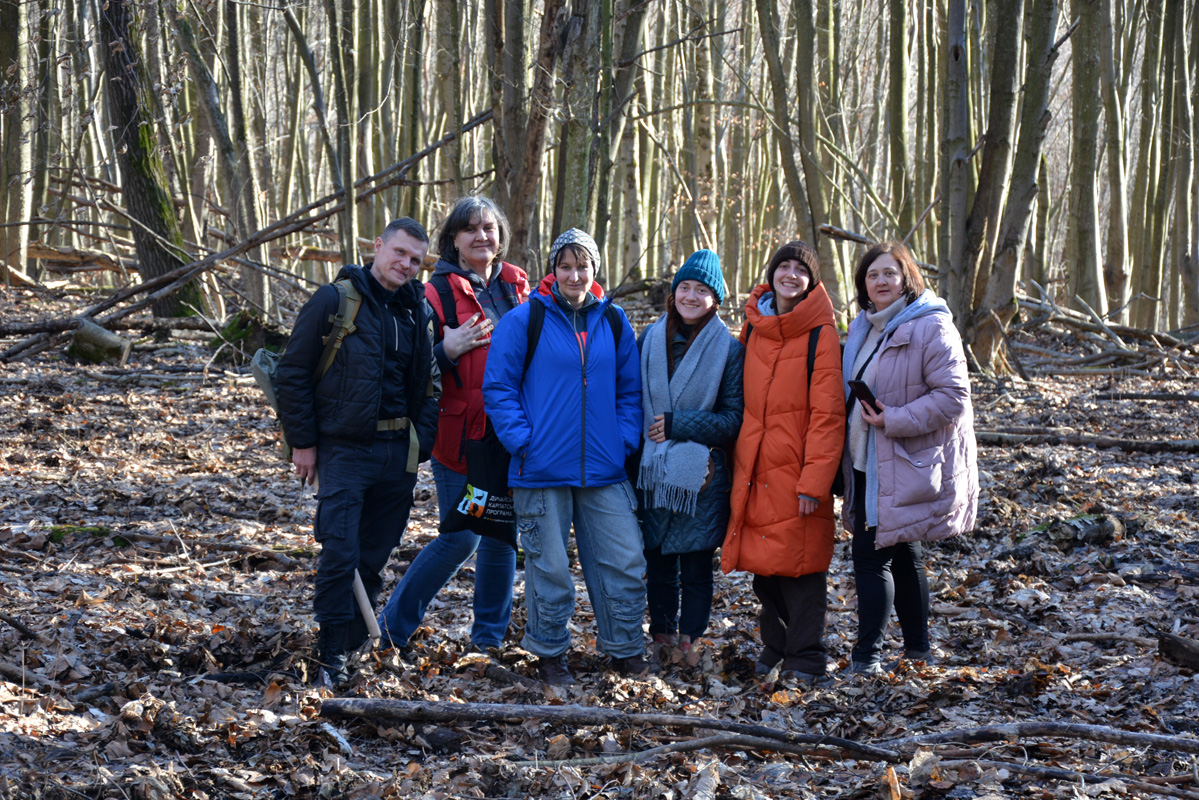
(730, 740)
(1075, 777)
(419, 711)
(1062, 730)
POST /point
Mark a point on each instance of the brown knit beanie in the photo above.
(799, 251)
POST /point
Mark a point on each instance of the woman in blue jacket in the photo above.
(570, 415)
(692, 405)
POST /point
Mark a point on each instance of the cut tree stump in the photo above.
(95, 344)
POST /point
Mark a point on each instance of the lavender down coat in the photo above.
(927, 486)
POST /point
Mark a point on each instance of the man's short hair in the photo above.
(409, 226)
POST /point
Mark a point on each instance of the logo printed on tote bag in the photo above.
(474, 502)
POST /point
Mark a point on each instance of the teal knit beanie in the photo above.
(702, 266)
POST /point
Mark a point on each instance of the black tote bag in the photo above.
(485, 505)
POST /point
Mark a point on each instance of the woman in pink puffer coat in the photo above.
(910, 468)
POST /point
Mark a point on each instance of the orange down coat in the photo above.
(790, 442)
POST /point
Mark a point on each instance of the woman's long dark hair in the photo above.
(675, 323)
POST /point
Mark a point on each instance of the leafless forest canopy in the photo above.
(1023, 149)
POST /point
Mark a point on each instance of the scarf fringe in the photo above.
(660, 493)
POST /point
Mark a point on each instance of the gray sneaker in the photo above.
(872, 668)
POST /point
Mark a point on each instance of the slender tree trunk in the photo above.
(156, 234)
(16, 161)
(782, 124)
(1184, 163)
(897, 111)
(1148, 155)
(955, 150)
(1086, 271)
(982, 227)
(1041, 23)
(1117, 266)
(342, 22)
(576, 181)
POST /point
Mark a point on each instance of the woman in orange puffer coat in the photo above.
(788, 452)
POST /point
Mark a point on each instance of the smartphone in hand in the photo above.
(862, 392)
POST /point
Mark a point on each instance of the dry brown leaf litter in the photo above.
(153, 538)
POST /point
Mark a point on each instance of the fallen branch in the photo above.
(23, 676)
(1169, 397)
(1081, 778)
(1144, 641)
(1061, 730)
(419, 711)
(1036, 436)
(27, 631)
(730, 740)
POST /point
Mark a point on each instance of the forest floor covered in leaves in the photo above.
(156, 559)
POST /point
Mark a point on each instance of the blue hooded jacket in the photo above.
(575, 416)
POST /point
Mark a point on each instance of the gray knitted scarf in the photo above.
(673, 472)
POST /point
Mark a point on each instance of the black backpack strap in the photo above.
(449, 306)
(813, 339)
(749, 328)
(536, 322)
(613, 317)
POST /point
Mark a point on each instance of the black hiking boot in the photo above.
(331, 655)
(554, 671)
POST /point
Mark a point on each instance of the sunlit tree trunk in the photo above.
(1026, 183)
(573, 205)
(1117, 265)
(897, 115)
(1184, 163)
(1148, 155)
(1085, 278)
(955, 150)
(782, 103)
(982, 226)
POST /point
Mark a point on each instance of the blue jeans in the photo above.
(610, 553)
(362, 509)
(439, 561)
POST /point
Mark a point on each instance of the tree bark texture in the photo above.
(156, 231)
(999, 297)
(955, 151)
(1117, 266)
(1086, 271)
(16, 160)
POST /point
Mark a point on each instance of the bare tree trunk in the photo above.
(1148, 155)
(573, 205)
(897, 115)
(808, 119)
(982, 227)
(16, 161)
(1086, 271)
(156, 232)
(342, 24)
(1041, 23)
(1117, 267)
(782, 121)
(955, 151)
(1184, 163)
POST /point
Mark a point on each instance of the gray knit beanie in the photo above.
(578, 238)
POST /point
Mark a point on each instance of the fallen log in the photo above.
(1036, 436)
(1168, 397)
(730, 740)
(420, 711)
(92, 343)
(1061, 730)
(1178, 649)
(1080, 778)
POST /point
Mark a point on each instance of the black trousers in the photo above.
(672, 579)
(792, 621)
(363, 504)
(888, 577)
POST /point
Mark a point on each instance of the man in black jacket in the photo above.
(364, 425)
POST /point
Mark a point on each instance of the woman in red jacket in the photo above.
(781, 528)
(471, 288)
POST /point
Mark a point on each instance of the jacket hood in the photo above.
(926, 304)
(814, 310)
(550, 279)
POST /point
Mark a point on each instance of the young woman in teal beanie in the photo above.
(691, 405)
